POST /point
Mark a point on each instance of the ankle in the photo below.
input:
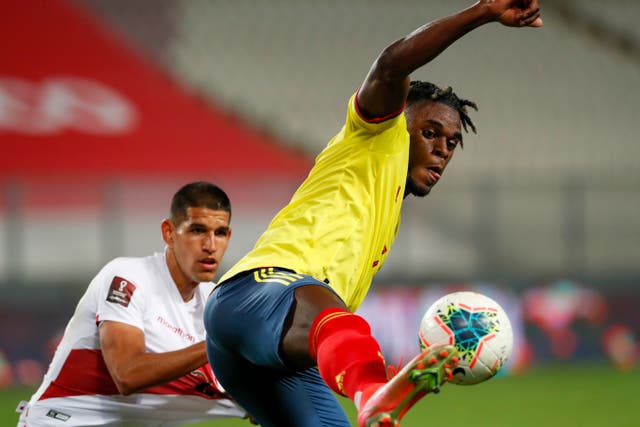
(360, 376)
(361, 396)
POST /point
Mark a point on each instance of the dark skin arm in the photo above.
(385, 88)
(133, 369)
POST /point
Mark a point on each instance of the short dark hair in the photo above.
(420, 90)
(199, 194)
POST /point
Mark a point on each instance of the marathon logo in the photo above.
(121, 291)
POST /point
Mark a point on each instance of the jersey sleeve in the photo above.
(120, 296)
(383, 134)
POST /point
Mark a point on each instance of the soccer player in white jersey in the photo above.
(133, 353)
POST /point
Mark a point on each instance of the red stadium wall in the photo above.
(77, 102)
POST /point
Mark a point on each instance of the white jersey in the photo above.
(77, 390)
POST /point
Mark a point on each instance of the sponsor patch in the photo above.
(58, 415)
(121, 291)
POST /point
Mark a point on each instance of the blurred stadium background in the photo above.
(108, 106)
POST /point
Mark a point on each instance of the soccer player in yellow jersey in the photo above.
(281, 333)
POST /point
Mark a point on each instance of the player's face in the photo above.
(197, 244)
(435, 131)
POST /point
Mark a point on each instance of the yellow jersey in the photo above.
(341, 222)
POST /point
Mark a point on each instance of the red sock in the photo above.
(349, 358)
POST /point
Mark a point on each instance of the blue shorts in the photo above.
(244, 318)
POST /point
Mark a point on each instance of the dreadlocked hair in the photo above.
(420, 90)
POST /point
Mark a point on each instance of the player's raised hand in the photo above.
(515, 13)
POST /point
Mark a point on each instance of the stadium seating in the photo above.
(548, 187)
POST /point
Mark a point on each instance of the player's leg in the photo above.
(277, 398)
(351, 363)
(320, 330)
(244, 319)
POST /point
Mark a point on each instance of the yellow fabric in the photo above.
(341, 222)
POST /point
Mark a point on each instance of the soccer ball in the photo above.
(479, 329)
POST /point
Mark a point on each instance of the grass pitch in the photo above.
(562, 395)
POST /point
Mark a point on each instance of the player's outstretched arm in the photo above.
(133, 369)
(385, 88)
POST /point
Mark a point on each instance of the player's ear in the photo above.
(167, 228)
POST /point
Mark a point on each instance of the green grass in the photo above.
(567, 396)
